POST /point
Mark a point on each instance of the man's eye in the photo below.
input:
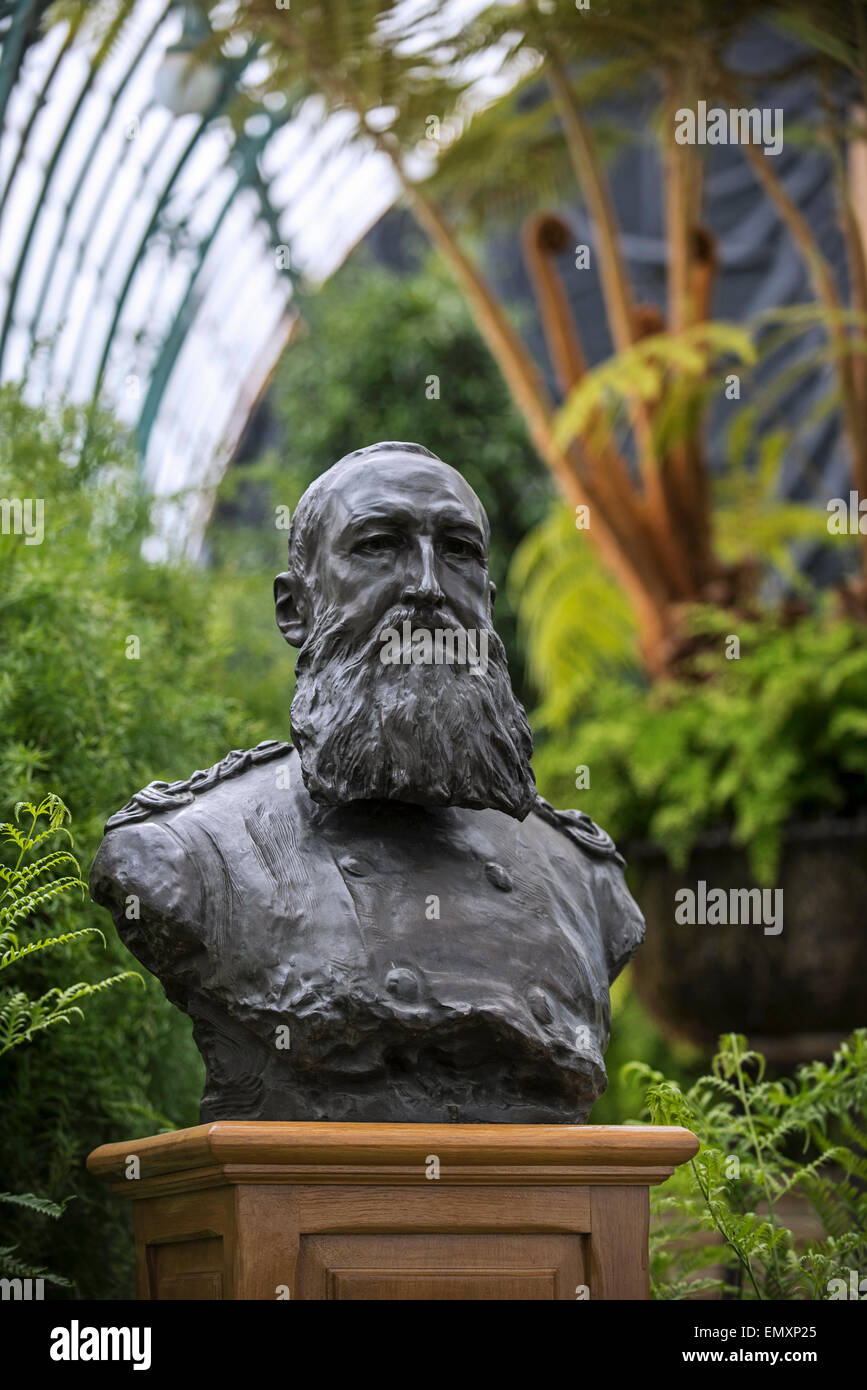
(454, 545)
(376, 545)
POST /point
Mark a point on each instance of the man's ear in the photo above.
(492, 590)
(289, 610)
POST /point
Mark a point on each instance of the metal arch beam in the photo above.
(254, 180)
(201, 129)
(143, 242)
(37, 209)
(109, 255)
(176, 335)
(13, 47)
(19, 269)
(231, 73)
(94, 146)
(151, 227)
(88, 234)
(243, 157)
(38, 104)
(200, 424)
(175, 338)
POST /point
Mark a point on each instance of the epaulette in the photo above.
(168, 796)
(580, 829)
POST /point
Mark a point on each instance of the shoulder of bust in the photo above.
(158, 797)
(580, 829)
(620, 919)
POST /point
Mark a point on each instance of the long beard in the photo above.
(436, 735)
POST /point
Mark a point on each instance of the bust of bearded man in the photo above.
(381, 920)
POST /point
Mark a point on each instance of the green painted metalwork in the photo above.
(15, 280)
(89, 308)
(94, 146)
(248, 176)
(90, 231)
(151, 228)
(37, 107)
(23, 15)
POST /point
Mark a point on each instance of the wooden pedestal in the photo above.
(261, 1210)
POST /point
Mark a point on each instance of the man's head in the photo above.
(390, 536)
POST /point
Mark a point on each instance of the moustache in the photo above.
(428, 615)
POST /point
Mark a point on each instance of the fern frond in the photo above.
(22, 907)
(15, 1268)
(43, 1205)
(13, 955)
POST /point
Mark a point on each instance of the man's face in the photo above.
(402, 533)
(401, 540)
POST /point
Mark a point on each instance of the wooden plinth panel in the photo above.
(361, 1212)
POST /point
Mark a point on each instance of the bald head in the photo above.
(387, 524)
(389, 466)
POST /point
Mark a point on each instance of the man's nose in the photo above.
(422, 585)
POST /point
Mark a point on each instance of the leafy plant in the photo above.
(31, 884)
(10, 1262)
(779, 732)
(762, 1141)
(574, 619)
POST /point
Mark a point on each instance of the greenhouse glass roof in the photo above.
(148, 255)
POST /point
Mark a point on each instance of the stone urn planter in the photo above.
(791, 989)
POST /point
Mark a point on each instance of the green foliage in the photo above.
(752, 521)
(575, 623)
(15, 1268)
(507, 158)
(573, 619)
(669, 368)
(76, 714)
(11, 1263)
(762, 1141)
(43, 1205)
(779, 733)
(21, 1017)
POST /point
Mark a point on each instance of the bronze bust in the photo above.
(381, 920)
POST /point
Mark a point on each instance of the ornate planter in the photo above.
(809, 979)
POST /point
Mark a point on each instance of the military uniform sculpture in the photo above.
(381, 920)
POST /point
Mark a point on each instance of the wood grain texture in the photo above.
(517, 1212)
(336, 1151)
(440, 1267)
(365, 1210)
(620, 1230)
